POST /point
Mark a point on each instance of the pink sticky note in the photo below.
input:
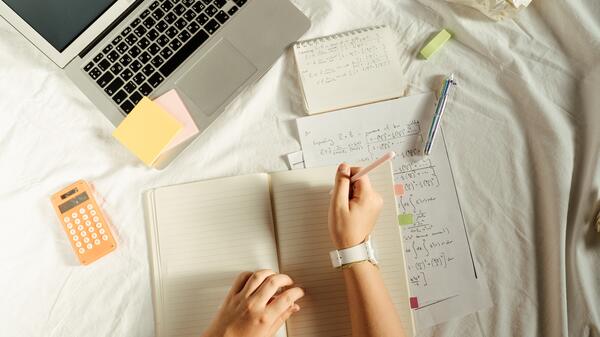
(173, 104)
(414, 303)
(399, 189)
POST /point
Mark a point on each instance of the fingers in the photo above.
(363, 193)
(291, 310)
(255, 281)
(362, 187)
(239, 282)
(270, 286)
(341, 190)
(285, 300)
(281, 319)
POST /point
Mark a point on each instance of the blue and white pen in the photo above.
(439, 112)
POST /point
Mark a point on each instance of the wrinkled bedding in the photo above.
(523, 136)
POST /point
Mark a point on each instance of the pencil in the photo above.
(363, 172)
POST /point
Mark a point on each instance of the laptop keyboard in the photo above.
(154, 44)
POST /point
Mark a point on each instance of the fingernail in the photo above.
(343, 167)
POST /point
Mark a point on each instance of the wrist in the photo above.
(343, 243)
(360, 268)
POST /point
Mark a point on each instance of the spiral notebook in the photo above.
(349, 69)
(202, 234)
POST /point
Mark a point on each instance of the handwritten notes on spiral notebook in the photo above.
(348, 69)
(443, 280)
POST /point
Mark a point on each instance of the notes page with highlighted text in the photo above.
(443, 279)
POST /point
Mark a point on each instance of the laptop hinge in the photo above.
(110, 28)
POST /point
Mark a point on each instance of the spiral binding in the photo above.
(312, 42)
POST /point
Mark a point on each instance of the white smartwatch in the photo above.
(358, 253)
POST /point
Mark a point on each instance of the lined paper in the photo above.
(301, 201)
(203, 235)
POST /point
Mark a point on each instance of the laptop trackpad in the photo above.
(216, 76)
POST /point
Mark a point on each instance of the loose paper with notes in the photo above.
(349, 69)
(441, 269)
(202, 234)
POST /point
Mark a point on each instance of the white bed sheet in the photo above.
(522, 135)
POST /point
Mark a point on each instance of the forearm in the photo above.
(371, 309)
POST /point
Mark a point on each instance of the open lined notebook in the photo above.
(202, 234)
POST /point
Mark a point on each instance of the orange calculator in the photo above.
(83, 221)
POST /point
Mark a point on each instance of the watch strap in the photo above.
(358, 253)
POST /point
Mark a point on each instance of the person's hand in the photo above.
(255, 306)
(353, 210)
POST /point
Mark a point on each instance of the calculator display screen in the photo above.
(73, 202)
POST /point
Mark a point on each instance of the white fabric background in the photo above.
(522, 135)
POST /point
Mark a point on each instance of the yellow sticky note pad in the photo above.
(147, 130)
(405, 219)
(435, 44)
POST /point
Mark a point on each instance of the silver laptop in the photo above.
(118, 51)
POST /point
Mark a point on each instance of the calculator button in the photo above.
(86, 239)
(84, 233)
(69, 225)
(96, 242)
(94, 235)
(75, 238)
(80, 228)
(105, 237)
(90, 206)
(91, 229)
(93, 212)
(82, 210)
(77, 244)
(77, 221)
(98, 225)
(73, 232)
(74, 215)
(89, 246)
(96, 219)
(81, 250)
(85, 217)
(101, 231)
(88, 223)
(67, 219)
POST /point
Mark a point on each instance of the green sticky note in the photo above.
(405, 219)
(435, 44)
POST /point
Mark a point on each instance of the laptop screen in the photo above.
(59, 22)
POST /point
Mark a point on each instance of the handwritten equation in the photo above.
(343, 56)
(427, 244)
(371, 143)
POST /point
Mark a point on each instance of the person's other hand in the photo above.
(255, 306)
(353, 209)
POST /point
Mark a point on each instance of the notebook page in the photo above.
(203, 235)
(349, 69)
(301, 202)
